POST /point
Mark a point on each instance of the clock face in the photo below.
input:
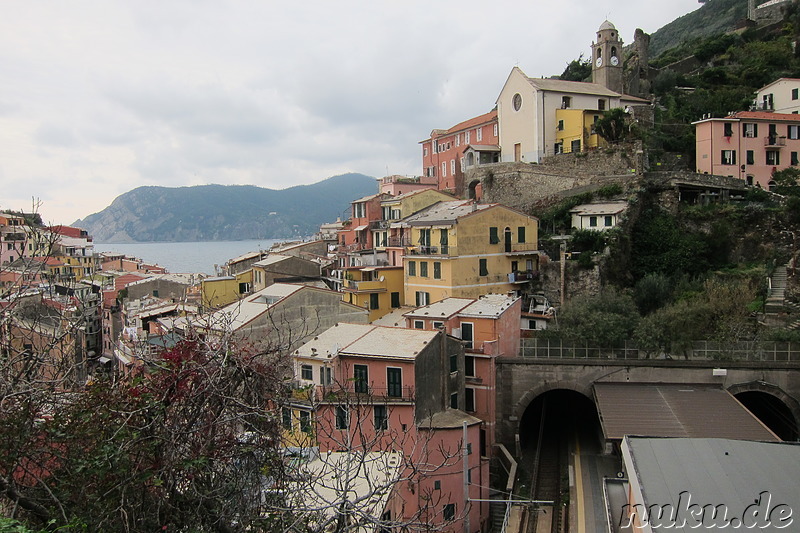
(599, 61)
(614, 60)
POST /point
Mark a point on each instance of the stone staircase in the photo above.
(775, 299)
(776, 303)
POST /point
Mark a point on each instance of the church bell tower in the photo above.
(607, 58)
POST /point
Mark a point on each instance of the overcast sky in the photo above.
(100, 97)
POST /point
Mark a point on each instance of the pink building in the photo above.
(355, 236)
(489, 327)
(750, 145)
(445, 152)
(396, 185)
(379, 389)
(13, 238)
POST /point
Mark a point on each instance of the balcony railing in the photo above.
(442, 249)
(774, 140)
(366, 395)
(522, 276)
(354, 285)
(399, 241)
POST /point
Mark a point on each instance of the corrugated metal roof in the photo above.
(675, 410)
(725, 472)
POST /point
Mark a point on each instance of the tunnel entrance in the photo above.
(555, 424)
(772, 412)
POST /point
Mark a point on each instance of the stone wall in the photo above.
(523, 186)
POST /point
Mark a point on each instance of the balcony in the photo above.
(364, 286)
(521, 248)
(379, 224)
(522, 276)
(368, 395)
(443, 249)
(775, 140)
(399, 242)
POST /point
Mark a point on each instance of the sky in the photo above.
(100, 97)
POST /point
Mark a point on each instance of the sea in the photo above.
(187, 257)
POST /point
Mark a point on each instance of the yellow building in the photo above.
(464, 249)
(388, 234)
(223, 290)
(575, 130)
(378, 289)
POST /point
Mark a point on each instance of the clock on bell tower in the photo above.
(606, 52)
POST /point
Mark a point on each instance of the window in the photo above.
(483, 269)
(454, 400)
(566, 102)
(601, 104)
(412, 268)
(469, 365)
(155, 293)
(467, 334)
(287, 418)
(458, 139)
(325, 375)
(444, 169)
(729, 157)
(361, 378)
(750, 130)
(342, 417)
(728, 129)
(437, 325)
(419, 324)
(374, 302)
(453, 362)
(466, 137)
(422, 298)
(394, 382)
(433, 146)
(359, 210)
(425, 237)
(437, 485)
(479, 134)
(794, 159)
(306, 372)
(437, 270)
(773, 157)
(469, 400)
(305, 421)
(794, 94)
(395, 297)
(495, 130)
(593, 221)
(381, 418)
(560, 125)
(425, 151)
(494, 237)
(751, 158)
(609, 220)
(521, 234)
(423, 269)
(794, 132)
(452, 167)
(449, 512)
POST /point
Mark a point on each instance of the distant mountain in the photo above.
(713, 17)
(225, 212)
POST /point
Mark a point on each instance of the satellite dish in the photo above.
(382, 279)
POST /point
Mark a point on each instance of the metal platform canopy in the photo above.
(683, 485)
(675, 410)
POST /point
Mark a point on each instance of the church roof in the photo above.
(606, 25)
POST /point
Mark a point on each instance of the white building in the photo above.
(780, 96)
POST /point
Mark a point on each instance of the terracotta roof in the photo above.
(467, 124)
(766, 115)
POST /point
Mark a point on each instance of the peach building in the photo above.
(750, 145)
